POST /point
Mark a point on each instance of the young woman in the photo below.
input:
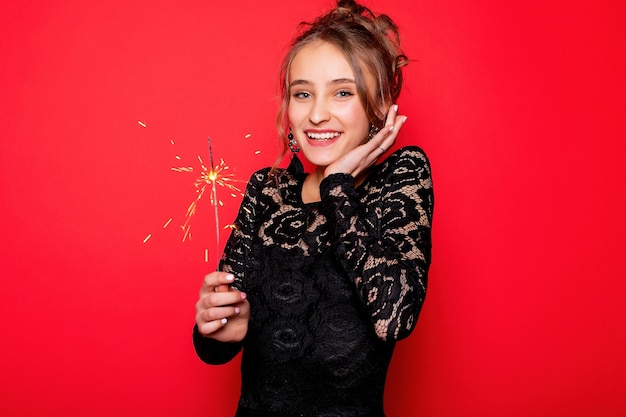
(326, 270)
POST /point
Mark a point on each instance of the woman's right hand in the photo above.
(222, 312)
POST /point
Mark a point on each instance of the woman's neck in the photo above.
(311, 187)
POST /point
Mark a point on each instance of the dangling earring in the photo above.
(293, 145)
(373, 131)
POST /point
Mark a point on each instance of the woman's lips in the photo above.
(322, 138)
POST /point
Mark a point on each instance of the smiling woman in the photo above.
(519, 105)
(326, 271)
(326, 116)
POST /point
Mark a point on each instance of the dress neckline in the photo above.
(296, 168)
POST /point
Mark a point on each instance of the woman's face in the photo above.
(325, 112)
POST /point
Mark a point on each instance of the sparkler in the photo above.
(212, 177)
(209, 178)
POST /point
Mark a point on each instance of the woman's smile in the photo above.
(322, 138)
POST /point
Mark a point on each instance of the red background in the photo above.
(520, 107)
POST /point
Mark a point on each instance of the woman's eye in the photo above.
(302, 94)
(344, 93)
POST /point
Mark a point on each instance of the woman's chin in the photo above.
(320, 159)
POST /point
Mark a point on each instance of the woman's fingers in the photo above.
(217, 281)
(208, 327)
(215, 310)
(220, 314)
(383, 141)
(391, 115)
(386, 135)
(389, 135)
(218, 299)
(228, 322)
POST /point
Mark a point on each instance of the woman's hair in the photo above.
(367, 41)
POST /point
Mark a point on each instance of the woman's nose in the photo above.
(319, 112)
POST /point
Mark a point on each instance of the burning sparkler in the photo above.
(209, 178)
(212, 177)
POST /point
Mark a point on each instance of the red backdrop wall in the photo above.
(520, 107)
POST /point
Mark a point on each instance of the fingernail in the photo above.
(395, 108)
(391, 128)
(243, 295)
(237, 310)
(230, 277)
(404, 119)
(224, 320)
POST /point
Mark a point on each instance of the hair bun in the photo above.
(352, 6)
(380, 24)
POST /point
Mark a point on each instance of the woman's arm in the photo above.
(389, 268)
(220, 328)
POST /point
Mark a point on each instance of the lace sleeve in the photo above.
(234, 261)
(388, 263)
(212, 351)
(238, 249)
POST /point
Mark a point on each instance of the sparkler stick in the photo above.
(212, 177)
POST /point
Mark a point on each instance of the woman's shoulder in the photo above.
(270, 181)
(271, 176)
(406, 171)
(260, 176)
(409, 152)
(277, 175)
(404, 158)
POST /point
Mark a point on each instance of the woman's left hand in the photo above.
(364, 156)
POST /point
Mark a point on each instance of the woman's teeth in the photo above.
(323, 136)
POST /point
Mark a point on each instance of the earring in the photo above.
(293, 145)
(373, 131)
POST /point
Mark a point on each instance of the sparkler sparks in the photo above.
(207, 178)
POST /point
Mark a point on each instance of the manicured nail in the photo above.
(237, 310)
(391, 128)
(230, 277)
(395, 108)
(243, 295)
(224, 320)
(404, 119)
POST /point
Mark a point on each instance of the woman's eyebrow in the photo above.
(343, 81)
(337, 81)
(299, 82)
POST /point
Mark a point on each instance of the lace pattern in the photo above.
(332, 285)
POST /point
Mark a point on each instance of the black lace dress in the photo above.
(332, 286)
